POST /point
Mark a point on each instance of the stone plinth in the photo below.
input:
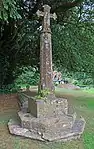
(61, 135)
(45, 124)
(46, 120)
(42, 108)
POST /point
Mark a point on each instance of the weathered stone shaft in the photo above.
(46, 78)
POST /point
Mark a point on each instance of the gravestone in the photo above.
(46, 119)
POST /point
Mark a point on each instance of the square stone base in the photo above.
(47, 107)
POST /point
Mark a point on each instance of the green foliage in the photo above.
(43, 94)
(78, 78)
(18, 49)
(73, 47)
(39, 97)
(9, 9)
(73, 36)
(29, 77)
(11, 88)
(89, 140)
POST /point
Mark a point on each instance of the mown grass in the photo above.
(81, 101)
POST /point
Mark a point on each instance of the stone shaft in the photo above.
(46, 78)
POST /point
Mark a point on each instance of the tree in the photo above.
(19, 36)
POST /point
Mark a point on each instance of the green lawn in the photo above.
(82, 102)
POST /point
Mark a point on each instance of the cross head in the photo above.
(46, 14)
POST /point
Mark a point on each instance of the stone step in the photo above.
(67, 134)
(43, 124)
(16, 129)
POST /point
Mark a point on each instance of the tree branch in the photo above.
(66, 5)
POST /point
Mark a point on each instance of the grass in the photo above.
(91, 91)
(82, 102)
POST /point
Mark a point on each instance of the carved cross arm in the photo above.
(40, 13)
(54, 16)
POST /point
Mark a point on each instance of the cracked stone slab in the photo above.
(46, 123)
(16, 129)
(61, 135)
(67, 134)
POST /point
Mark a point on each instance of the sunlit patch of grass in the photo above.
(87, 103)
(75, 93)
(89, 140)
(91, 91)
(90, 104)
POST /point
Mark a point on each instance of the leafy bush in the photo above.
(78, 78)
(29, 76)
(11, 88)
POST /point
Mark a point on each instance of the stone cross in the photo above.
(46, 73)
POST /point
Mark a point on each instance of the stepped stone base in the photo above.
(46, 124)
(61, 135)
(46, 120)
